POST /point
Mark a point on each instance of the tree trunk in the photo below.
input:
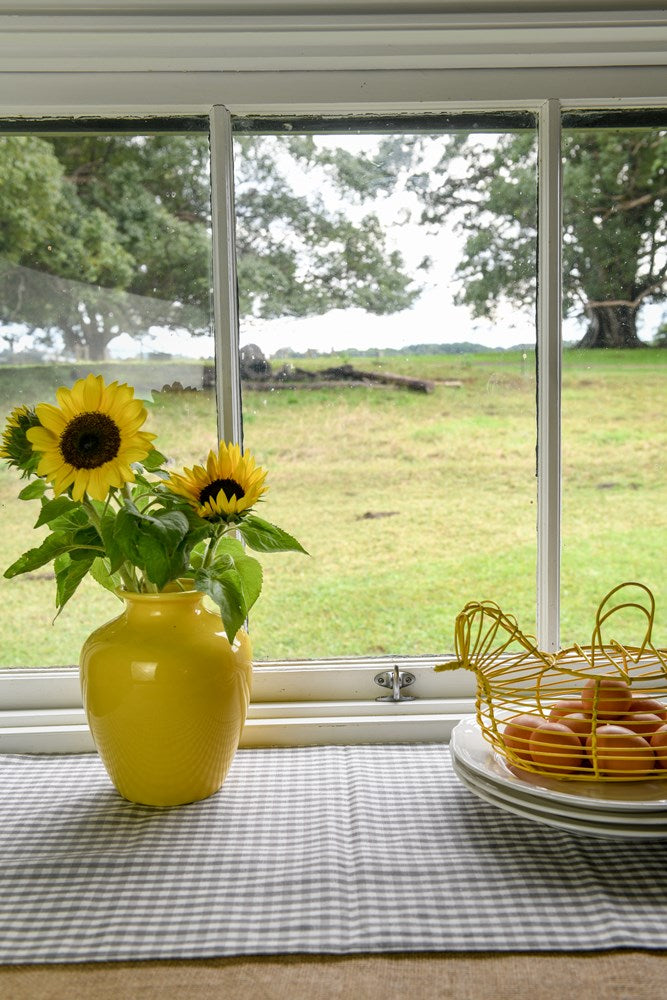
(611, 326)
(92, 339)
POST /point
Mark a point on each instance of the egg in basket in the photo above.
(596, 712)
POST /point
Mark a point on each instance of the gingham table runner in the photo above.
(307, 850)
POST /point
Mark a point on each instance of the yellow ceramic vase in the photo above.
(166, 697)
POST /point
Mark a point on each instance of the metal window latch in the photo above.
(396, 680)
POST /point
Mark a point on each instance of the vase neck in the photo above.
(163, 605)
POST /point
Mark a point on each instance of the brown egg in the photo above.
(518, 731)
(649, 705)
(621, 753)
(556, 748)
(644, 723)
(579, 723)
(613, 698)
(565, 707)
(659, 744)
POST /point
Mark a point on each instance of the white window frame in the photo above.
(136, 61)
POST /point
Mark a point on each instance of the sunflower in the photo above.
(89, 440)
(15, 447)
(229, 485)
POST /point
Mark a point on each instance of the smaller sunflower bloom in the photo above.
(16, 447)
(229, 485)
(90, 439)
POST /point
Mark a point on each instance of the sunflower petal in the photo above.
(93, 389)
(51, 418)
(97, 486)
(42, 439)
(80, 484)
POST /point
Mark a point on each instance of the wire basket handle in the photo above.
(647, 609)
(481, 633)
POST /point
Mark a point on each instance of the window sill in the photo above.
(281, 724)
(294, 704)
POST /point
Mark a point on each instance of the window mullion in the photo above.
(549, 311)
(225, 298)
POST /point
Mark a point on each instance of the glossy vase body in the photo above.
(166, 697)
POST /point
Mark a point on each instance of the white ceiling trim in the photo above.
(56, 43)
(190, 8)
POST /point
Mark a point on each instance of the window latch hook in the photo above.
(396, 680)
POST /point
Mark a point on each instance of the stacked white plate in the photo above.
(630, 810)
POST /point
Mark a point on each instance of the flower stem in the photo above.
(210, 551)
(126, 573)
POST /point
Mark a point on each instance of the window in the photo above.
(406, 453)
(289, 76)
(614, 373)
(105, 260)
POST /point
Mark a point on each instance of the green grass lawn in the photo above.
(409, 504)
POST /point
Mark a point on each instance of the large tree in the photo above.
(103, 235)
(109, 234)
(614, 224)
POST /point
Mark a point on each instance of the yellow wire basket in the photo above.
(596, 712)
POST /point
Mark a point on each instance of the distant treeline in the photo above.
(462, 347)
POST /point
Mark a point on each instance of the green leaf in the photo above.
(51, 509)
(153, 558)
(34, 489)
(229, 546)
(83, 540)
(71, 520)
(154, 460)
(69, 574)
(115, 552)
(173, 523)
(226, 590)
(264, 537)
(157, 544)
(125, 530)
(100, 573)
(234, 581)
(249, 570)
(52, 546)
(197, 553)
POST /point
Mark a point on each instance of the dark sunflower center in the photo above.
(90, 440)
(228, 486)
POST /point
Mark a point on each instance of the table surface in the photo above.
(627, 975)
(356, 850)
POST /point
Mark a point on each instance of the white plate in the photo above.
(656, 820)
(589, 828)
(470, 747)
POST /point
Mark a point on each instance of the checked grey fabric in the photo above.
(307, 850)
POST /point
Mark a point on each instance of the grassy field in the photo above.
(409, 504)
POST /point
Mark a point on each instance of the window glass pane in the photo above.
(105, 268)
(614, 526)
(387, 300)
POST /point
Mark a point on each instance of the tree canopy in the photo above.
(614, 223)
(109, 234)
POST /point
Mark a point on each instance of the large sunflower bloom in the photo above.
(90, 439)
(229, 485)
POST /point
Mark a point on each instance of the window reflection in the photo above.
(105, 246)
